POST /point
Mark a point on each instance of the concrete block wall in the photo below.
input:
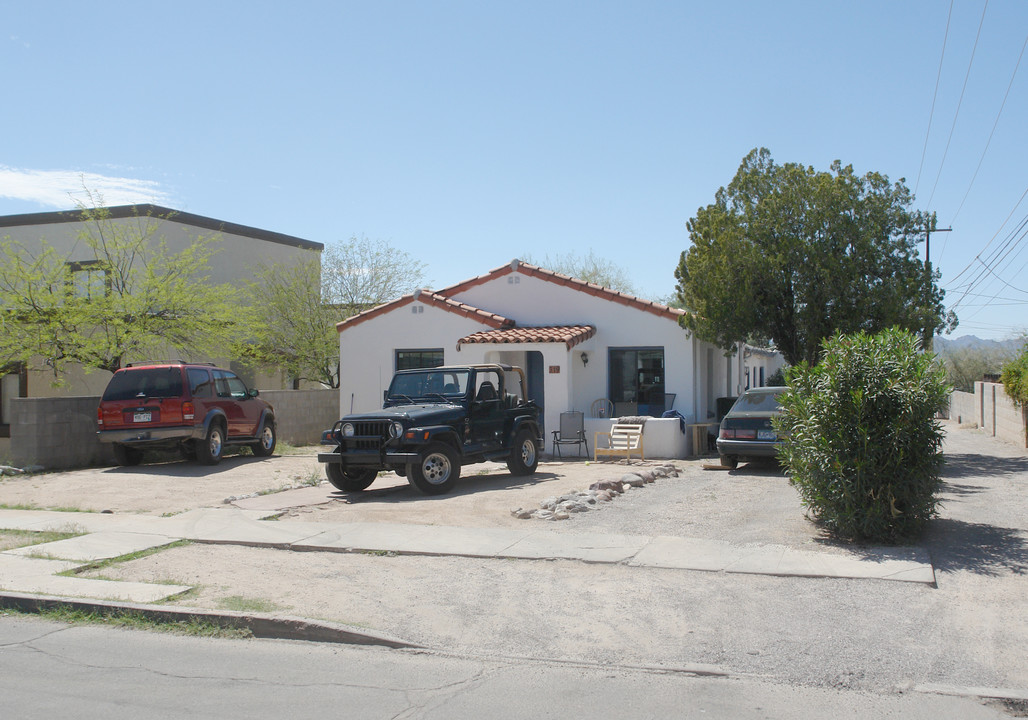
(963, 407)
(60, 432)
(56, 433)
(991, 410)
(301, 415)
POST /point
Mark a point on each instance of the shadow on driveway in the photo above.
(976, 547)
(973, 465)
(392, 488)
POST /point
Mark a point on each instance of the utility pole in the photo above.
(929, 333)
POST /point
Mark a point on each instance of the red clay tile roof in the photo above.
(429, 298)
(443, 299)
(570, 335)
(568, 281)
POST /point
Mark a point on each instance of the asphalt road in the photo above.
(48, 670)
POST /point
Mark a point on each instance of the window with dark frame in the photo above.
(88, 279)
(419, 358)
(636, 380)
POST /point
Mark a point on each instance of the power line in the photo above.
(931, 112)
(996, 122)
(960, 102)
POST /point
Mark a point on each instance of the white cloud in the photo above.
(64, 189)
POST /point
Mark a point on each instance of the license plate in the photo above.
(141, 417)
(766, 435)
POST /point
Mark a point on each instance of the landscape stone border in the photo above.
(600, 492)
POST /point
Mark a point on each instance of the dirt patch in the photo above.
(158, 489)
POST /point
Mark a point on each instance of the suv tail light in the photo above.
(99, 416)
(187, 410)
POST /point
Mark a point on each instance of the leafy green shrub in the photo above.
(862, 443)
(1015, 378)
(777, 378)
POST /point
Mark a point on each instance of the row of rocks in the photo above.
(8, 470)
(603, 491)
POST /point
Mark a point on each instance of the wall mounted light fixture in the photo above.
(585, 358)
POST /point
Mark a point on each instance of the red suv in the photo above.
(195, 407)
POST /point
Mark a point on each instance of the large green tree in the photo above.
(122, 294)
(296, 308)
(795, 255)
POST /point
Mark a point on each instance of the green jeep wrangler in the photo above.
(433, 421)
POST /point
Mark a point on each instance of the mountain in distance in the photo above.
(943, 344)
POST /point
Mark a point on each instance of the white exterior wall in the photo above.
(533, 301)
(367, 350)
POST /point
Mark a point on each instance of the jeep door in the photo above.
(487, 412)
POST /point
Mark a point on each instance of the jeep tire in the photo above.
(350, 480)
(524, 454)
(436, 470)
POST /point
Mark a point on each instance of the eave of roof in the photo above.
(570, 335)
(156, 211)
(435, 300)
(567, 281)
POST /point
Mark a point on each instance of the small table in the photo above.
(699, 437)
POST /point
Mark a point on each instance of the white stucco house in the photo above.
(581, 346)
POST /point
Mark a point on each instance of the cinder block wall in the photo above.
(301, 415)
(56, 433)
(963, 408)
(60, 433)
(991, 409)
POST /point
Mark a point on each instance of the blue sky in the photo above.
(469, 133)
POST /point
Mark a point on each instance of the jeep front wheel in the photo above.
(349, 480)
(436, 470)
(524, 455)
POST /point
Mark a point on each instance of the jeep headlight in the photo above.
(395, 429)
(347, 429)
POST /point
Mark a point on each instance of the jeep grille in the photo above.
(369, 435)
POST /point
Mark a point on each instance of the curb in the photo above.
(260, 625)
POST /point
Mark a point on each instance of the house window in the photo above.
(636, 381)
(14, 383)
(88, 280)
(413, 359)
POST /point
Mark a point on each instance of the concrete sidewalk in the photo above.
(35, 569)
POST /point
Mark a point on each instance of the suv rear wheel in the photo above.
(208, 450)
(436, 471)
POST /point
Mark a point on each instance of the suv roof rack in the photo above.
(167, 362)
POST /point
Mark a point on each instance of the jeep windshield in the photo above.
(432, 385)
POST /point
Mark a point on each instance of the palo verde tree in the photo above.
(589, 268)
(122, 293)
(795, 255)
(296, 308)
